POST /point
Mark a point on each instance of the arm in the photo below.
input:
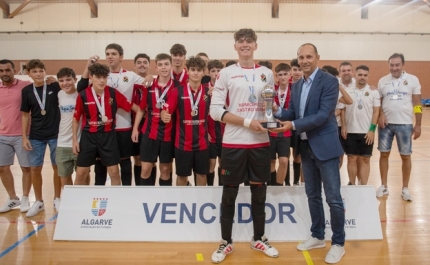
(25, 121)
(344, 129)
(416, 99)
(346, 98)
(75, 128)
(137, 119)
(170, 106)
(382, 120)
(84, 82)
(370, 135)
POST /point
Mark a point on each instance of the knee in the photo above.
(283, 161)
(4, 169)
(405, 158)
(385, 155)
(352, 159)
(258, 193)
(229, 194)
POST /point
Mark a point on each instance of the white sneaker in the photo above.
(9, 205)
(35, 209)
(223, 250)
(311, 243)
(382, 190)
(57, 202)
(264, 246)
(335, 254)
(406, 195)
(25, 204)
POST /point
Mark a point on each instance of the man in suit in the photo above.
(311, 113)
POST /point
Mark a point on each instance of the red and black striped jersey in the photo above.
(136, 99)
(285, 97)
(191, 131)
(154, 127)
(92, 119)
(181, 77)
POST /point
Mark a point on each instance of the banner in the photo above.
(191, 214)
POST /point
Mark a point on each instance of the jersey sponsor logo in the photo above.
(193, 122)
(185, 97)
(90, 103)
(237, 76)
(50, 92)
(67, 109)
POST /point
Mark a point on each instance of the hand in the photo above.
(211, 88)
(26, 144)
(382, 121)
(344, 132)
(92, 60)
(148, 80)
(274, 107)
(416, 131)
(370, 137)
(285, 126)
(166, 117)
(50, 80)
(256, 126)
(76, 147)
(135, 136)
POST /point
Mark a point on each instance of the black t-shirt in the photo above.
(43, 127)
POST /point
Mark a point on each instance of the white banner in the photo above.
(191, 214)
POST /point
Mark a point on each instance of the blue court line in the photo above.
(17, 243)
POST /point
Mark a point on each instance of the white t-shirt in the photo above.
(396, 95)
(359, 120)
(66, 103)
(124, 82)
(232, 82)
(351, 85)
(339, 105)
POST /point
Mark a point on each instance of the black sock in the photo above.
(163, 182)
(246, 182)
(273, 178)
(228, 201)
(195, 179)
(125, 165)
(287, 176)
(296, 168)
(219, 177)
(145, 182)
(258, 200)
(137, 171)
(100, 172)
(210, 179)
(153, 175)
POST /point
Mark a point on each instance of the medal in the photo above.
(395, 97)
(194, 112)
(104, 118)
(43, 112)
(194, 105)
(100, 107)
(160, 99)
(158, 105)
(42, 103)
(360, 106)
(252, 98)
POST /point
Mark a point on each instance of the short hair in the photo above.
(246, 34)
(202, 54)
(330, 69)
(268, 64)
(196, 62)
(215, 64)
(99, 70)
(65, 72)
(230, 63)
(362, 67)
(309, 44)
(397, 55)
(345, 64)
(116, 47)
(282, 67)
(6, 61)
(294, 63)
(178, 49)
(35, 63)
(163, 56)
(142, 55)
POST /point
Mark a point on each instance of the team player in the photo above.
(98, 106)
(215, 128)
(179, 73)
(280, 142)
(40, 103)
(206, 77)
(156, 136)
(190, 104)
(11, 137)
(246, 147)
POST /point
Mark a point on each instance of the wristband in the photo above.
(372, 127)
(418, 109)
(247, 122)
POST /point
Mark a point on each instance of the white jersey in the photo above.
(350, 85)
(66, 103)
(124, 82)
(358, 119)
(242, 87)
(396, 95)
(339, 105)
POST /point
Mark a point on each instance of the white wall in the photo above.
(155, 27)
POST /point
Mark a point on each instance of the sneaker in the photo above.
(35, 209)
(296, 184)
(264, 246)
(349, 183)
(189, 183)
(311, 243)
(382, 190)
(25, 204)
(406, 195)
(9, 205)
(335, 254)
(223, 250)
(57, 202)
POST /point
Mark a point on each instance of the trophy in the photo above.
(269, 121)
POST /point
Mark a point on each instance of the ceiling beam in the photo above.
(18, 9)
(93, 8)
(275, 9)
(5, 7)
(184, 8)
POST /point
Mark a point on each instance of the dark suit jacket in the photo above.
(319, 121)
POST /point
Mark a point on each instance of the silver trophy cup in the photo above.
(269, 122)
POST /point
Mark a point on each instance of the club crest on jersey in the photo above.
(205, 98)
(263, 78)
(110, 101)
(405, 82)
(366, 94)
(125, 79)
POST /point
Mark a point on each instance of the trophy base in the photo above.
(270, 124)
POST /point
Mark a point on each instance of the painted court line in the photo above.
(307, 257)
(17, 243)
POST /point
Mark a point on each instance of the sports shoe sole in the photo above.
(317, 246)
(263, 252)
(217, 262)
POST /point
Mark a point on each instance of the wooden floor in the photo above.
(405, 229)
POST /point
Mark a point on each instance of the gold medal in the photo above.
(43, 112)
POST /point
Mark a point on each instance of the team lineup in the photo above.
(198, 113)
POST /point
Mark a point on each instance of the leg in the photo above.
(352, 168)
(57, 182)
(258, 200)
(201, 180)
(125, 165)
(406, 169)
(146, 168)
(228, 200)
(363, 169)
(282, 170)
(383, 167)
(113, 172)
(137, 170)
(8, 182)
(100, 173)
(82, 175)
(181, 180)
(26, 181)
(36, 180)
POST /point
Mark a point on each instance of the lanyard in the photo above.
(115, 85)
(399, 80)
(360, 98)
(43, 101)
(101, 107)
(194, 105)
(180, 78)
(252, 98)
(160, 100)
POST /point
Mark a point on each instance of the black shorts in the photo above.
(355, 144)
(102, 145)
(197, 161)
(125, 144)
(151, 149)
(342, 141)
(280, 146)
(240, 164)
(294, 139)
(215, 150)
(135, 150)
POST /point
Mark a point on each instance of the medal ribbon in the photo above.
(43, 101)
(360, 99)
(282, 99)
(115, 85)
(101, 107)
(192, 103)
(250, 86)
(180, 78)
(157, 93)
